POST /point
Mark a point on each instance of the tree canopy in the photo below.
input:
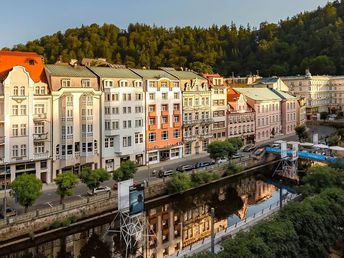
(65, 183)
(93, 178)
(126, 171)
(308, 40)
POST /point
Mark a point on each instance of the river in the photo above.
(172, 223)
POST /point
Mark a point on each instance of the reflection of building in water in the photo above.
(164, 232)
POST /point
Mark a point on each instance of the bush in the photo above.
(201, 178)
(180, 182)
(234, 168)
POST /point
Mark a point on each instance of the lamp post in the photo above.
(212, 214)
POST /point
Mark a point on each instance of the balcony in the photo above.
(190, 138)
(176, 124)
(164, 113)
(39, 117)
(86, 134)
(111, 132)
(152, 114)
(189, 122)
(2, 140)
(206, 121)
(164, 126)
(68, 119)
(87, 118)
(44, 155)
(40, 136)
(176, 112)
(206, 135)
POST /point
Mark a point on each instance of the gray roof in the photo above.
(268, 80)
(153, 74)
(185, 75)
(109, 72)
(69, 71)
(260, 94)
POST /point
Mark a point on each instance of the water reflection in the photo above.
(172, 223)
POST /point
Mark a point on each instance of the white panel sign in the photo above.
(295, 151)
(123, 194)
(283, 150)
(315, 138)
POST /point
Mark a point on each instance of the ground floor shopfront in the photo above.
(156, 156)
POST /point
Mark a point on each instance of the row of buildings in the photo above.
(64, 117)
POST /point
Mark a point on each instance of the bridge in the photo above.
(304, 154)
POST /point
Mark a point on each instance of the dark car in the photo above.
(10, 212)
(183, 168)
(202, 164)
(248, 148)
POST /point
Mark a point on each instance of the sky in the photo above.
(24, 20)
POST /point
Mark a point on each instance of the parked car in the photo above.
(221, 160)
(248, 148)
(10, 212)
(100, 189)
(237, 155)
(115, 185)
(275, 145)
(183, 168)
(203, 164)
(163, 173)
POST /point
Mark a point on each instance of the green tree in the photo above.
(126, 171)
(217, 150)
(301, 132)
(95, 248)
(93, 178)
(338, 164)
(179, 182)
(323, 115)
(65, 183)
(27, 188)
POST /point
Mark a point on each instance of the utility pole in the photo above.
(212, 214)
(280, 187)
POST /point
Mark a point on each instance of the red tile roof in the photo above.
(32, 62)
(232, 95)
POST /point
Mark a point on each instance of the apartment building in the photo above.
(301, 112)
(25, 117)
(218, 106)
(240, 117)
(267, 106)
(76, 116)
(197, 118)
(163, 102)
(122, 117)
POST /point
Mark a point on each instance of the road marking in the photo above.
(49, 203)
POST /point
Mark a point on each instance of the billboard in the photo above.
(283, 150)
(123, 194)
(136, 199)
(295, 151)
(315, 138)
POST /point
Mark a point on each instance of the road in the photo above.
(50, 198)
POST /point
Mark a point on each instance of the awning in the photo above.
(336, 148)
(321, 146)
(309, 144)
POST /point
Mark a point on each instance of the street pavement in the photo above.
(50, 198)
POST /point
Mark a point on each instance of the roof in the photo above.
(268, 80)
(153, 74)
(32, 62)
(69, 71)
(260, 94)
(283, 94)
(109, 72)
(185, 75)
(232, 95)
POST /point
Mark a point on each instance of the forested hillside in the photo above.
(309, 40)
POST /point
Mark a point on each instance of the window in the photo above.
(176, 134)
(138, 138)
(15, 152)
(138, 123)
(164, 95)
(23, 110)
(39, 128)
(176, 95)
(151, 108)
(152, 137)
(114, 97)
(138, 96)
(108, 83)
(42, 90)
(15, 91)
(85, 83)
(115, 110)
(151, 96)
(164, 119)
(65, 83)
(176, 84)
(39, 147)
(23, 129)
(176, 107)
(137, 84)
(23, 150)
(22, 91)
(138, 110)
(164, 107)
(123, 84)
(151, 84)
(164, 135)
(37, 90)
(151, 121)
(127, 141)
(163, 84)
(15, 110)
(14, 130)
(176, 119)
(39, 109)
(109, 142)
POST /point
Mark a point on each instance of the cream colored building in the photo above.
(76, 115)
(122, 117)
(197, 117)
(25, 116)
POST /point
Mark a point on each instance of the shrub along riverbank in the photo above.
(305, 229)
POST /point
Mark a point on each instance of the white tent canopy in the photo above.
(293, 142)
(279, 141)
(306, 144)
(336, 148)
(321, 146)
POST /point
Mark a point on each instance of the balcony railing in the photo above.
(206, 120)
(189, 122)
(44, 155)
(88, 118)
(111, 132)
(39, 117)
(89, 134)
(190, 138)
(40, 136)
(206, 135)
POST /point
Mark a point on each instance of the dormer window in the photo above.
(32, 62)
(164, 85)
(108, 83)
(42, 90)
(176, 84)
(86, 83)
(151, 84)
(65, 83)
(36, 90)
(123, 84)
